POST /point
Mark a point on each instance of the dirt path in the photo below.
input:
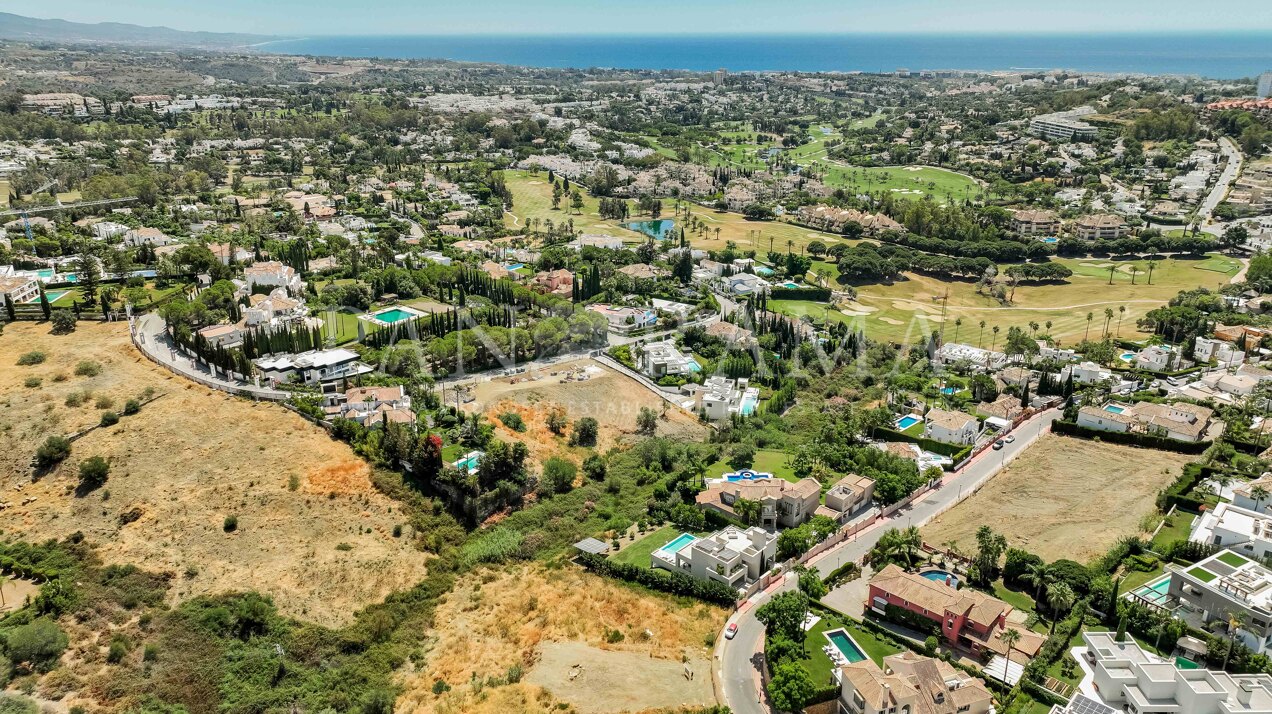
(597, 681)
(1065, 498)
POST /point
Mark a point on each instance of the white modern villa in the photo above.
(733, 556)
(1126, 678)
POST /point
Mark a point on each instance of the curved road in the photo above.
(739, 660)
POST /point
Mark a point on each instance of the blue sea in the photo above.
(1220, 55)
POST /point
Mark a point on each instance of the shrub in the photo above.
(93, 472)
(150, 653)
(77, 399)
(230, 525)
(132, 406)
(88, 368)
(118, 648)
(54, 450)
(31, 358)
(39, 642)
(109, 419)
(63, 322)
(513, 421)
(104, 402)
(558, 475)
(585, 432)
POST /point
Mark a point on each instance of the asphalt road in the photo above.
(739, 659)
(1226, 178)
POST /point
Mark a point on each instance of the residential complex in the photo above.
(1035, 223)
(1066, 126)
(953, 354)
(1130, 679)
(734, 556)
(1100, 226)
(719, 398)
(663, 359)
(1240, 529)
(314, 367)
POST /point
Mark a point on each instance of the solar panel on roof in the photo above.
(1080, 704)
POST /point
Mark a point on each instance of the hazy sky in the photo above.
(416, 17)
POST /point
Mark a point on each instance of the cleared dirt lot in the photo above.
(544, 620)
(613, 399)
(181, 466)
(1063, 498)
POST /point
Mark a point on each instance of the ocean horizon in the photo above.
(1230, 55)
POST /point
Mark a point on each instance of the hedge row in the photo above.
(814, 294)
(674, 583)
(954, 451)
(1176, 494)
(1147, 441)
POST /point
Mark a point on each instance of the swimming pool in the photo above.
(845, 644)
(469, 462)
(1154, 592)
(761, 270)
(943, 577)
(1051, 239)
(790, 285)
(393, 315)
(748, 405)
(1127, 356)
(54, 295)
(514, 266)
(1114, 408)
(676, 545)
(658, 230)
(746, 475)
(948, 390)
(907, 421)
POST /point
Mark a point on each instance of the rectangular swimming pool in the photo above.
(907, 421)
(677, 544)
(1114, 408)
(393, 315)
(845, 644)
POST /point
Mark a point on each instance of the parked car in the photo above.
(731, 631)
(998, 445)
(1010, 438)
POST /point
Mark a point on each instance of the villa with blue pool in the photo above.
(968, 619)
(734, 556)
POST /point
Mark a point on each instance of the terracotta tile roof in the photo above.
(978, 607)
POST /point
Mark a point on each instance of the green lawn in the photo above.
(818, 664)
(1202, 574)
(773, 462)
(1177, 527)
(638, 553)
(818, 311)
(1232, 559)
(904, 181)
(1016, 598)
(1135, 578)
(452, 452)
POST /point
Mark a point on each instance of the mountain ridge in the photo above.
(32, 29)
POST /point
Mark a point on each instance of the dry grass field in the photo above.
(1063, 498)
(183, 464)
(611, 398)
(546, 620)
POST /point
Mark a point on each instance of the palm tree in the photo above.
(1236, 620)
(981, 339)
(1039, 576)
(1090, 317)
(1048, 324)
(1258, 493)
(958, 322)
(1010, 638)
(789, 244)
(1060, 597)
(1108, 317)
(1033, 328)
(995, 340)
(1151, 264)
(1121, 313)
(748, 510)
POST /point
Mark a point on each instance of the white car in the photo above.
(1009, 438)
(731, 631)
